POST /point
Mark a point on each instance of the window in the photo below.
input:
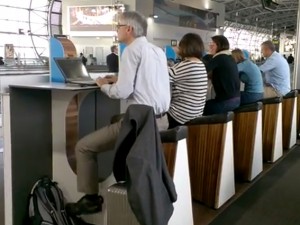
(25, 25)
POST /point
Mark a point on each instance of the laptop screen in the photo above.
(72, 68)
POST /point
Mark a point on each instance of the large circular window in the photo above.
(27, 25)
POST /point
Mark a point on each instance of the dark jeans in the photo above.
(214, 107)
(172, 122)
(248, 97)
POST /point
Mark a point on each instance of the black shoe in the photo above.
(85, 205)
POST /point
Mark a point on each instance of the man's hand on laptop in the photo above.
(100, 81)
(111, 79)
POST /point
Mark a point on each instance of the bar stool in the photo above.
(175, 151)
(247, 136)
(298, 114)
(289, 119)
(272, 129)
(210, 151)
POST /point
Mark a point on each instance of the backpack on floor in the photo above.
(46, 204)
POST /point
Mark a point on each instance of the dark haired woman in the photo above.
(189, 82)
(224, 75)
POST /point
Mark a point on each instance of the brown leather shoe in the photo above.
(85, 205)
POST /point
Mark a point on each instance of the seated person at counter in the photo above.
(142, 66)
(251, 76)
(276, 70)
(189, 82)
(224, 75)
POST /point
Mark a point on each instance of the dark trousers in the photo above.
(248, 97)
(172, 122)
(214, 106)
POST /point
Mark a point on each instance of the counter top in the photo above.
(22, 73)
(53, 86)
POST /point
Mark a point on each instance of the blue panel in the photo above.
(170, 53)
(56, 50)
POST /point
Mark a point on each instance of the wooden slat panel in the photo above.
(170, 150)
(69, 47)
(72, 131)
(205, 150)
(244, 128)
(270, 113)
(287, 114)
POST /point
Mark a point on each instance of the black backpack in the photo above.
(46, 204)
(47, 207)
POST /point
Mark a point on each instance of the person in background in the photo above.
(290, 59)
(91, 60)
(251, 76)
(143, 79)
(112, 60)
(83, 58)
(1, 61)
(189, 82)
(276, 71)
(224, 75)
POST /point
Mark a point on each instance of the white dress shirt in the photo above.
(143, 76)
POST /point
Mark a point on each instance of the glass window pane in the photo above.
(55, 19)
(15, 17)
(23, 3)
(13, 14)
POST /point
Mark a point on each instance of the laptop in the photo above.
(74, 71)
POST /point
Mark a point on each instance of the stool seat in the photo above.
(173, 135)
(175, 152)
(272, 129)
(212, 119)
(298, 115)
(272, 100)
(289, 119)
(210, 151)
(249, 107)
(247, 136)
(291, 94)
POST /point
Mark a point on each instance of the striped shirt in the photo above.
(189, 88)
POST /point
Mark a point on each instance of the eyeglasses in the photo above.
(120, 25)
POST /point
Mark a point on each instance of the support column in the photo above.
(297, 54)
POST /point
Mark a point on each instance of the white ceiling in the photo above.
(251, 12)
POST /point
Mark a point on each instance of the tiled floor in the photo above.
(203, 215)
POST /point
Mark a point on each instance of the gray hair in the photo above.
(269, 44)
(137, 21)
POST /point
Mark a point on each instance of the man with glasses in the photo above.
(143, 79)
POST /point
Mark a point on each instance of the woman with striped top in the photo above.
(189, 82)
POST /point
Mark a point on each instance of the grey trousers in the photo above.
(88, 147)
